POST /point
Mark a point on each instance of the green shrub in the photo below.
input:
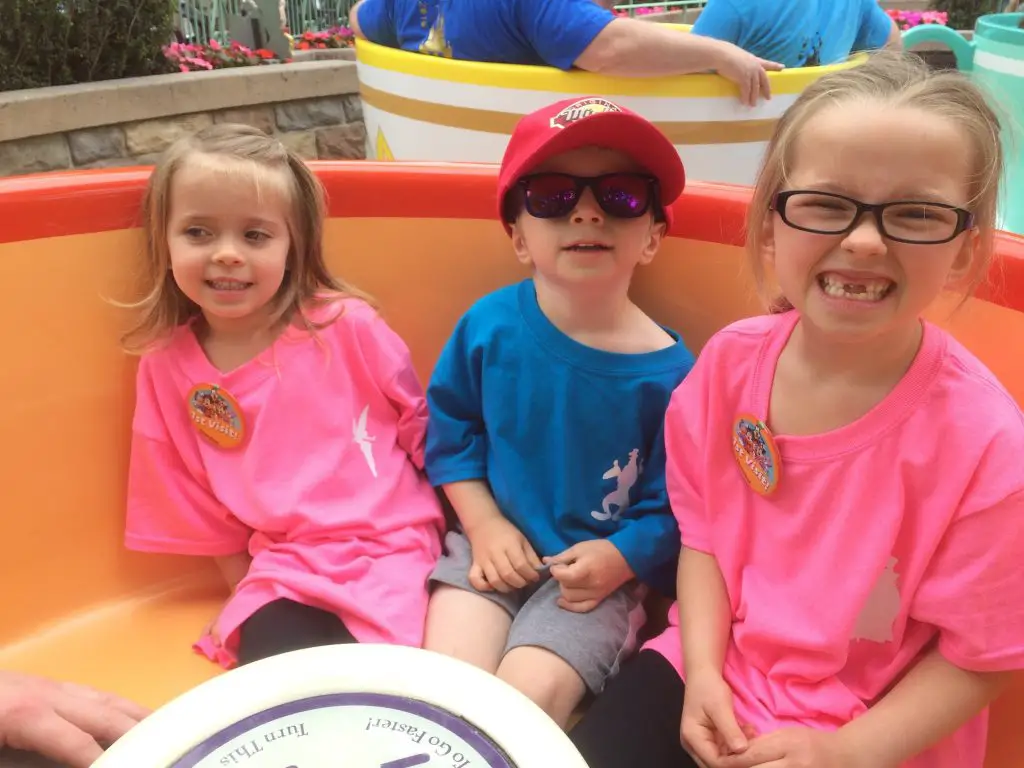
(963, 13)
(59, 42)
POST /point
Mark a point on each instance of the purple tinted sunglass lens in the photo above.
(624, 196)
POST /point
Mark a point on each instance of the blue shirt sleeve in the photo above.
(456, 447)
(377, 21)
(649, 535)
(875, 27)
(719, 19)
(560, 30)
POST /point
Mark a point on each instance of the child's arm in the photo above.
(704, 614)
(971, 594)
(502, 557)
(648, 536)
(391, 363)
(171, 508)
(234, 568)
(931, 702)
(456, 460)
(705, 620)
(644, 546)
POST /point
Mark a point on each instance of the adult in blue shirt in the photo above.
(800, 33)
(558, 33)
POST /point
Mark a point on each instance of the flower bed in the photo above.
(338, 37)
(195, 58)
(188, 57)
(907, 19)
(642, 11)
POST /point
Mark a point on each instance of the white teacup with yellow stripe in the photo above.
(421, 107)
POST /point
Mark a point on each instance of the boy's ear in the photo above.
(653, 243)
(519, 244)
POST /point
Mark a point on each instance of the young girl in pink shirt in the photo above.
(279, 424)
(846, 476)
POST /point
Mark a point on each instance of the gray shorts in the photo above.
(594, 644)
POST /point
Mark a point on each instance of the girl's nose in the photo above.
(227, 253)
(865, 238)
(587, 209)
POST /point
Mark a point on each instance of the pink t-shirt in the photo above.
(903, 528)
(325, 492)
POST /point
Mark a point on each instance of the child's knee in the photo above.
(546, 678)
(466, 626)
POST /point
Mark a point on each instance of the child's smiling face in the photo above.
(862, 284)
(588, 247)
(228, 239)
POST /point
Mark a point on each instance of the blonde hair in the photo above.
(899, 80)
(307, 280)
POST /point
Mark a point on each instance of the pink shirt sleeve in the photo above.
(972, 589)
(389, 357)
(685, 438)
(171, 508)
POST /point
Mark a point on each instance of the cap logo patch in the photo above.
(580, 110)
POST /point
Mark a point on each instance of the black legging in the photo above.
(635, 721)
(285, 625)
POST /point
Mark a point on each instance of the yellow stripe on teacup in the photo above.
(556, 81)
(490, 121)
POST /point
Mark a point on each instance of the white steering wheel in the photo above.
(348, 706)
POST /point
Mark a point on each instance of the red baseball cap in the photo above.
(585, 122)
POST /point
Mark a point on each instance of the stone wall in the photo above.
(312, 107)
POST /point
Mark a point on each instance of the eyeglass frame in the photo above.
(964, 219)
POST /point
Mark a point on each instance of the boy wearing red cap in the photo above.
(546, 411)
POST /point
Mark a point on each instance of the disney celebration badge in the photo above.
(217, 415)
(756, 454)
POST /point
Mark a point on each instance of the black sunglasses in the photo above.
(554, 195)
(904, 221)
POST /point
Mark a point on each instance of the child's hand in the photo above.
(503, 559)
(709, 730)
(791, 748)
(210, 630)
(588, 572)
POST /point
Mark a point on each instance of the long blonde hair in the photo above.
(307, 281)
(898, 80)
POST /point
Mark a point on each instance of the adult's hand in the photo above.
(749, 72)
(62, 721)
(635, 48)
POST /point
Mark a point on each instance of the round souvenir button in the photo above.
(756, 454)
(217, 415)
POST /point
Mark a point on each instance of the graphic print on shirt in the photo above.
(880, 610)
(625, 478)
(364, 440)
(810, 51)
(436, 44)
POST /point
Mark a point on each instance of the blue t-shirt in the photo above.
(552, 32)
(797, 33)
(569, 437)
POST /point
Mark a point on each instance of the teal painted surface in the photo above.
(997, 35)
